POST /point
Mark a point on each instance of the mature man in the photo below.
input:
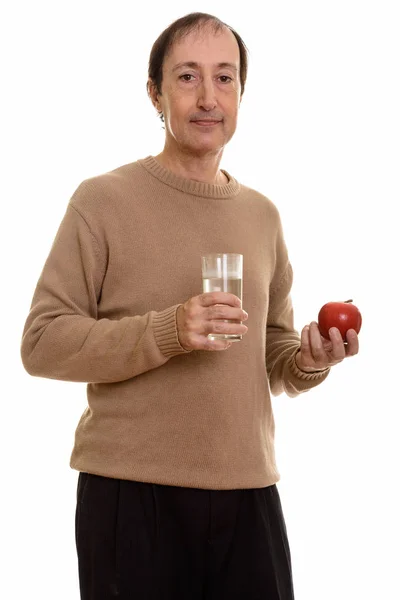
(177, 495)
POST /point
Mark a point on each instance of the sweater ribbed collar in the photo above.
(189, 186)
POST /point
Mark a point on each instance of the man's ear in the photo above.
(154, 95)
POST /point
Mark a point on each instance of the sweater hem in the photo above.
(166, 332)
(303, 374)
(213, 483)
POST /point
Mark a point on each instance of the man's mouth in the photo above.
(206, 122)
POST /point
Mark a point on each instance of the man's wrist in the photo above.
(307, 369)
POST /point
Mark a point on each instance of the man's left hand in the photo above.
(316, 353)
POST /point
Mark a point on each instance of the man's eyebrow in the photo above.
(194, 65)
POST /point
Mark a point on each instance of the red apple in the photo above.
(343, 315)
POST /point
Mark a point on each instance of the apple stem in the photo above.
(347, 301)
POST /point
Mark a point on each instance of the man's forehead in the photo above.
(195, 47)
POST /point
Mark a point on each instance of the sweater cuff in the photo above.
(313, 376)
(166, 332)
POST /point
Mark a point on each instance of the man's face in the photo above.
(201, 92)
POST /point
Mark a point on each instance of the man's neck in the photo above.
(198, 169)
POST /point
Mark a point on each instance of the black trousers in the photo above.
(147, 541)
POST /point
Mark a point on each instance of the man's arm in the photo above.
(282, 340)
(63, 337)
(283, 343)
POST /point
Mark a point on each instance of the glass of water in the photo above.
(223, 273)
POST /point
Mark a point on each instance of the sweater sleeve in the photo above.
(282, 340)
(63, 337)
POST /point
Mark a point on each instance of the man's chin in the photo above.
(205, 147)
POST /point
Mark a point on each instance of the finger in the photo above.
(221, 311)
(305, 345)
(216, 345)
(201, 342)
(338, 348)
(318, 353)
(225, 327)
(210, 298)
(352, 343)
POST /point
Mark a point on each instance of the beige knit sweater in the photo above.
(126, 255)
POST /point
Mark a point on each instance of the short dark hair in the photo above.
(177, 30)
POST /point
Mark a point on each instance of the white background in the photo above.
(319, 134)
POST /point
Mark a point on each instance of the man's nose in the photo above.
(207, 98)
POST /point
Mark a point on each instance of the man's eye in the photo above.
(188, 76)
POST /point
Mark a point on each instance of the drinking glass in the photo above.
(223, 273)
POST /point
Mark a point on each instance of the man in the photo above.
(177, 493)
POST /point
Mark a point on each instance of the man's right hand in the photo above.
(205, 314)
